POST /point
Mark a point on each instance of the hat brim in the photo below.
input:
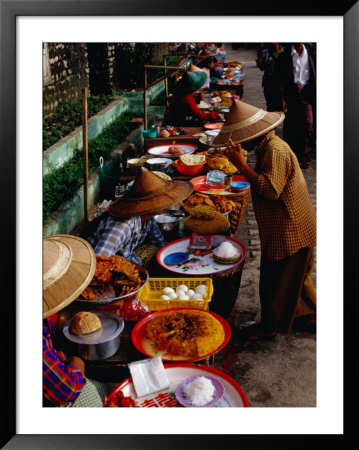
(77, 277)
(243, 134)
(128, 206)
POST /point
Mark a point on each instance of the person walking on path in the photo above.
(285, 216)
(296, 73)
(267, 63)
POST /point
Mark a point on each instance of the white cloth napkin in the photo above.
(148, 376)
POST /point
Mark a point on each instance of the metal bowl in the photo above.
(111, 297)
(167, 222)
(158, 164)
(136, 164)
(100, 344)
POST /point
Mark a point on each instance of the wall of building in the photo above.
(68, 75)
(103, 67)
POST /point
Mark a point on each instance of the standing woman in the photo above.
(285, 216)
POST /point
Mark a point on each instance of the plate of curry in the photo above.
(181, 334)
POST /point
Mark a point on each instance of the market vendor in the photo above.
(183, 110)
(285, 216)
(69, 264)
(129, 223)
(210, 64)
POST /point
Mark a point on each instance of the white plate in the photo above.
(162, 150)
(199, 265)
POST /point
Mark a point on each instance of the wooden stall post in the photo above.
(145, 100)
(85, 152)
(166, 79)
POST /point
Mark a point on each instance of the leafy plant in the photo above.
(62, 183)
(68, 117)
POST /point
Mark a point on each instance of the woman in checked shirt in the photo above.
(285, 216)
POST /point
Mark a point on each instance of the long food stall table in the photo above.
(192, 137)
(115, 368)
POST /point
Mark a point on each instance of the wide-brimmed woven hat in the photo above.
(246, 122)
(148, 194)
(69, 264)
(193, 68)
(191, 81)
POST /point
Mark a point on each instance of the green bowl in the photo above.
(149, 133)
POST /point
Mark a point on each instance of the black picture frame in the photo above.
(9, 10)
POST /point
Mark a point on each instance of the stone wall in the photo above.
(103, 67)
(68, 75)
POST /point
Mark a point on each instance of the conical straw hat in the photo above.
(191, 81)
(245, 122)
(193, 68)
(69, 264)
(148, 194)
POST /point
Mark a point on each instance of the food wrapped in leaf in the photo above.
(205, 220)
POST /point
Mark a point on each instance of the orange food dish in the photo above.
(186, 333)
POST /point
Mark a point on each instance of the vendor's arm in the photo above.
(62, 381)
(276, 167)
(110, 237)
(153, 233)
(190, 101)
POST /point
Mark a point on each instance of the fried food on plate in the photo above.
(186, 333)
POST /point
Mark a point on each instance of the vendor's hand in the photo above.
(284, 105)
(77, 362)
(220, 116)
(236, 154)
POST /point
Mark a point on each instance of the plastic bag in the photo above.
(133, 309)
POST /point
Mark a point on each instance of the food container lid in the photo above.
(159, 161)
(111, 326)
(165, 218)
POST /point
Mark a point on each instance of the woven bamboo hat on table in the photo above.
(69, 264)
(246, 122)
(148, 194)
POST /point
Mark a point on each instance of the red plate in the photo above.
(207, 187)
(148, 348)
(234, 395)
(200, 185)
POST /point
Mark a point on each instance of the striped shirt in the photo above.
(123, 236)
(62, 382)
(284, 212)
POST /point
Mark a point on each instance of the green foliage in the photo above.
(62, 183)
(68, 117)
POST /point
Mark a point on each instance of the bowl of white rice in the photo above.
(199, 391)
(227, 253)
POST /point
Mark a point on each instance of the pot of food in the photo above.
(158, 164)
(94, 335)
(169, 224)
(136, 164)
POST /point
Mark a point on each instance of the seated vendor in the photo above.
(129, 221)
(183, 110)
(64, 380)
(209, 63)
